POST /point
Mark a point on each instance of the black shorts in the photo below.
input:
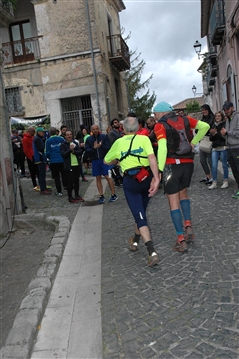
(177, 177)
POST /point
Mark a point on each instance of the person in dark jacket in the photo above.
(113, 135)
(96, 147)
(53, 153)
(231, 134)
(218, 150)
(205, 157)
(40, 159)
(71, 154)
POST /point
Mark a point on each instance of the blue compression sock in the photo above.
(185, 206)
(177, 220)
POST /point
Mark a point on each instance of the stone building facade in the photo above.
(220, 67)
(66, 59)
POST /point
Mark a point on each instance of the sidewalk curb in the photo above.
(20, 338)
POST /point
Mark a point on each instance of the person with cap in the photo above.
(205, 157)
(231, 134)
(177, 167)
(140, 182)
(40, 159)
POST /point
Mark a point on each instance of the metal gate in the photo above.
(73, 119)
(77, 111)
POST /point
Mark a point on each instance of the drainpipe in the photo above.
(93, 61)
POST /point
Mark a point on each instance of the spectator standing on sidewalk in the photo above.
(27, 144)
(218, 150)
(205, 157)
(53, 153)
(177, 168)
(18, 154)
(63, 129)
(40, 159)
(231, 133)
(113, 135)
(141, 180)
(71, 154)
(96, 147)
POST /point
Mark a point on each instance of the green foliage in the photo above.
(140, 102)
(193, 106)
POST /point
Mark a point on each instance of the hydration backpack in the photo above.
(178, 135)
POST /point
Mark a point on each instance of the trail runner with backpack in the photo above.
(175, 160)
(140, 182)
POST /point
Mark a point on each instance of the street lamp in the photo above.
(197, 47)
(194, 90)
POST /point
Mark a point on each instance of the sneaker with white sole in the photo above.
(213, 185)
(113, 198)
(225, 184)
(153, 259)
(133, 245)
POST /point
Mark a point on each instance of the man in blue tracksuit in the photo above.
(96, 147)
(53, 153)
(40, 159)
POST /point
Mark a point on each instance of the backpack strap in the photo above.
(128, 153)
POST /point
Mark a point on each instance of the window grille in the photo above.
(13, 99)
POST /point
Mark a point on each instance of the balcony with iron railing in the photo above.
(217, 22)
(118, 52)
(6, 13)
(21, 51)
(210, 73)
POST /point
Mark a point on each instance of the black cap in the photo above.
(227, 105)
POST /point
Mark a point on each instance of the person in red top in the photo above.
(177, 170)
(142, 130)
(27, 142)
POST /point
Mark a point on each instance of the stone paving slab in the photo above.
(187, 306)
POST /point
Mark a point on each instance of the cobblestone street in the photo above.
(187, 306)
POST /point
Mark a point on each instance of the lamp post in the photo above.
(194, 90)
(197, 47)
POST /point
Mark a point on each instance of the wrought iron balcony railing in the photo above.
(217, 22)
(16, 52)
(118, 52)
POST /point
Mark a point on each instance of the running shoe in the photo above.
(180, 246)
(84, 180)
(58, 194)
(153, 259)
(189, 236)
(133, 246)
(101, 200)
(37, 188)
(236, 195)
(113, 198)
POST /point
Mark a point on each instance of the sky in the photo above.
(164, 32)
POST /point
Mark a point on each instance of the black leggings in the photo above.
(73, 181)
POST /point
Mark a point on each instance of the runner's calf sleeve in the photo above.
(185, 206)
(177, 220)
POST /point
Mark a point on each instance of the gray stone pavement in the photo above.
(23, 253)
(187, 306)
